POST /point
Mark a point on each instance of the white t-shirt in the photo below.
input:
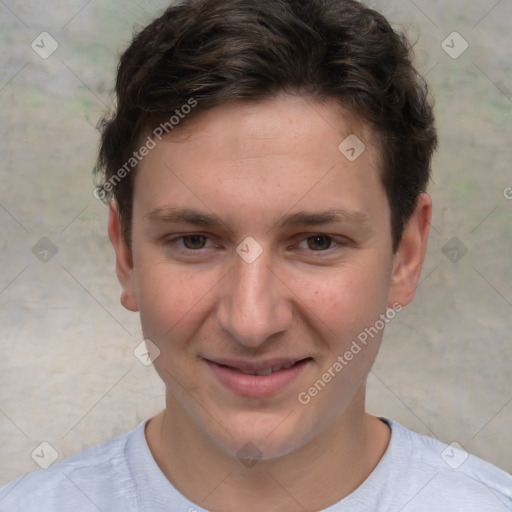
(417, 473)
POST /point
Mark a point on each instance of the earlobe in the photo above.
(124, 260)
(408, 260)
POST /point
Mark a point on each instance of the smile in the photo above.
(264, 379)
(267, 371)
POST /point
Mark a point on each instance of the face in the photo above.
(260, 253)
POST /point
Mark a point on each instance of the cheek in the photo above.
(349, 299)
(171, 302)
(172, 306)
(346, 309)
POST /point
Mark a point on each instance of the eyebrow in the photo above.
(304, 218)
(169, 215)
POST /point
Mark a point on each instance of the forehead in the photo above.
(266, 155)
(254, 128)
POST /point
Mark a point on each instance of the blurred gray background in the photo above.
(68, 375)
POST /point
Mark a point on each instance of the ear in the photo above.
(124, 260)
(408, 260)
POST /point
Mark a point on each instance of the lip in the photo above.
(228, 373)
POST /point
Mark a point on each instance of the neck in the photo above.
(313, 477)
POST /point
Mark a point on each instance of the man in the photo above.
(267, 164)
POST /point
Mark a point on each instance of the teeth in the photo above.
(265, 372)
(269, 371)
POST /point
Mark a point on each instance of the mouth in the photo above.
(257, 379)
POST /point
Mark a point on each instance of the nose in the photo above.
(254, 305)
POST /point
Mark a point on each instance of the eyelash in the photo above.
(337, 243)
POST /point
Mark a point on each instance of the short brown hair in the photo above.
(213, 51)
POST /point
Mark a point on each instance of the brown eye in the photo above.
(194, 241)
(319, 242)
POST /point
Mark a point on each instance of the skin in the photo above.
(250, 164)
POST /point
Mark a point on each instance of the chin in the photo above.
(254, 438)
